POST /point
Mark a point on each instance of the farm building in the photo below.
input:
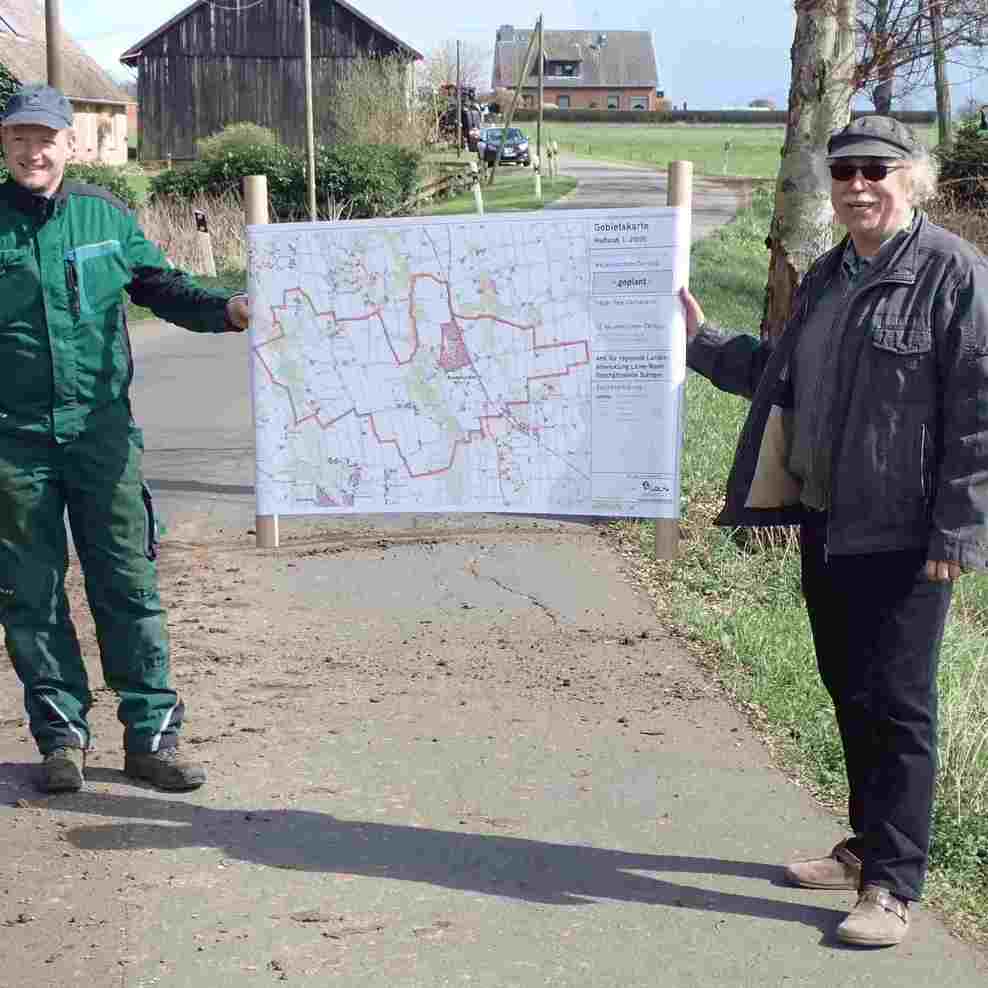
(605, 70)
(99, 105)
(212, 65)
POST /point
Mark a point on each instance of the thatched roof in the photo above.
(24, 55)
(605, 58)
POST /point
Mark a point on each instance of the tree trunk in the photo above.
(940, 73)
(882, 43)
(820, 94)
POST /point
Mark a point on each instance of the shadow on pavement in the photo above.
(514, 867)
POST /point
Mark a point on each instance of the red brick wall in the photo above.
(582, 98)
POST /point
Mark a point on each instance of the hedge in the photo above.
(374, 180)
(108, 177)
(768, 117)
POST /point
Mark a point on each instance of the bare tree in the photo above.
(823, 82)
(440, 66)
(372, 104)
(897, 41)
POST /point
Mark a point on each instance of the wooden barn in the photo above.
(216, 64)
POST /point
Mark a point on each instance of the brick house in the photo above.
(99, 105)
(604, 70)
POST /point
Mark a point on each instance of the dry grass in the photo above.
(172, 225)
(955, 215)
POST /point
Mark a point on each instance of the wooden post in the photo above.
(478, 195)
(679, 193)
(310, 130)
(256, 203)
(514, 103)
(538, 126)
(53, 42)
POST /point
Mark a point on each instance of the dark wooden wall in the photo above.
(216, 67)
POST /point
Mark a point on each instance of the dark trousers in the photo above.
(877, 626)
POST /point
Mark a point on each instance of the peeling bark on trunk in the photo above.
(823, 65)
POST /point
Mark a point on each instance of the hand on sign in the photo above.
(694, 314)
(237, 313)
(940, 571)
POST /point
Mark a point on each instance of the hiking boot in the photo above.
(879, 919)
(61, 770)
(164, 769)
(839, 871)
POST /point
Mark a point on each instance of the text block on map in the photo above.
(525, 362)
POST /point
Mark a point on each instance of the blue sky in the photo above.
(711, 53)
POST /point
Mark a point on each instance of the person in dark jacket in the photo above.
(68, 443)
(868, 428)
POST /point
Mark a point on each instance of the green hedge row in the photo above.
(686, 116)
(964, 165)
(374, 180)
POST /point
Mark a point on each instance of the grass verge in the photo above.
(737, 601)
(512, 191)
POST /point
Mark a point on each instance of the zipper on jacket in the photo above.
(839, 434)
(72, 282)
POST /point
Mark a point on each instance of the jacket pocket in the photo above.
(100, 272)
(901, 362)
(20, 286)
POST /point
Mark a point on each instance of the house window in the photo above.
(563, 101)
(639, 102)
(613, 101)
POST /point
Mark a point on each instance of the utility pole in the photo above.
(940, 72)
(53, 41)
(538, 126)
(459, 105)
(514, 102)
(310, 136)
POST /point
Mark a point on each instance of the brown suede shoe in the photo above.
(879, 919)
(839, 871)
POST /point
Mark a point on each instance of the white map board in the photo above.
(525, 362)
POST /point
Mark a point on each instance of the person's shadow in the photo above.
(514, 867)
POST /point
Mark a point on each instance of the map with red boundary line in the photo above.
(422, 366)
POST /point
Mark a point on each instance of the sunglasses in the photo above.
(872, 173)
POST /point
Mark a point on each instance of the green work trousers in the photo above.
(97, 478)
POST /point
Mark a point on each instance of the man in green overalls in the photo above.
(68, 443)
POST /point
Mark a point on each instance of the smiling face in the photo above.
(36, 155)
(873, 211)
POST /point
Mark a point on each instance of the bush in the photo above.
(964, 165)
(234, 138)
(368, 180)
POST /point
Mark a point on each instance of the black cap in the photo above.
(874, 137)
(38, 104)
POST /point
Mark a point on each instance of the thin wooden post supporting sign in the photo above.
(256, 203)
(679, 193)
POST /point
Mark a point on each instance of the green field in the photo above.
(513, 190)
(754, 150)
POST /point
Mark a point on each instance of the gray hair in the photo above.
(924, 173)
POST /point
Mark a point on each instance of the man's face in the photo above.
(36, 155)
(872, 209)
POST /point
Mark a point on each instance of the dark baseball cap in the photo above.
(874, 137)
(43, 105)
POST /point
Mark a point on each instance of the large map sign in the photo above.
(528, 362)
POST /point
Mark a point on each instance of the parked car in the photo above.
(515, 151)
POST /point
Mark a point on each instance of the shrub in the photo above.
(109, 177)
(234, 138)
(370, 180)
(964, 165)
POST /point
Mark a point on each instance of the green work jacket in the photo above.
(64, 347)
